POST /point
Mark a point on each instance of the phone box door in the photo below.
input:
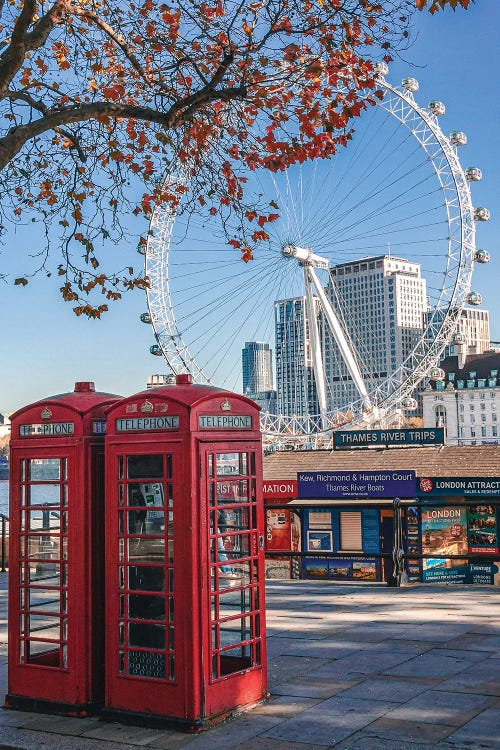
(234, 630)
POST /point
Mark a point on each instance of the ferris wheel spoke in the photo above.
(398, 188)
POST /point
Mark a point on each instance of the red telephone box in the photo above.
(56, 548)
(185, 629)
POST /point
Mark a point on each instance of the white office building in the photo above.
(383, 301)
(295, 385)
(467, 402)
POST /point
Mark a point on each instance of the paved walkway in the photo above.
(361, 667)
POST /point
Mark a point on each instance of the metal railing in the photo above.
(3, 550)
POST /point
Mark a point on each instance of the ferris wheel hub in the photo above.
(305, 256)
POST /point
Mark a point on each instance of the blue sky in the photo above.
(44, 348)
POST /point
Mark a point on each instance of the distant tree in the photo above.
(101, 98)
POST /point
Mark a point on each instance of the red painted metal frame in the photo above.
(192, 699)
(73, 685)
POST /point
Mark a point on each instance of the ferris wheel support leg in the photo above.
(341, 341)
(319, 374)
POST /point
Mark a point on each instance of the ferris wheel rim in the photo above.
(398, 384)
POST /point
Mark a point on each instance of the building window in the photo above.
(440, 416)
(351, 538)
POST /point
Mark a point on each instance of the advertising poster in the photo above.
(482, 530)
(282, 535)
(340, 569)
(413, 543)
(444, 532)
(282, 530)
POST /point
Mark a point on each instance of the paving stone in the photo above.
(283, 668)
(285, 705)
(483, 730)
(407, 646)
(475, 642)
(321, 649)
(113, 732)
(433, 631)
(411, 730)
(63, 725)
(233, 733)
(362, 663)
(368, 635)
(170, 740)
(466, 654)
(434, 707)
(330, 721)
(267, 743)
(483, 680)
(312, 687)
(386, 689)
(434, 663)
(364, 740)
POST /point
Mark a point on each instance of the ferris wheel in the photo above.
(358, 290)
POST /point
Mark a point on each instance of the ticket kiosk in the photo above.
(185, 630)
(56, 549)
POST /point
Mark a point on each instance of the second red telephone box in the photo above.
(185, 629)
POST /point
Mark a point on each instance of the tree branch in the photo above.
(117, 39)
(17, 136)
(22, 41)
(37, 38)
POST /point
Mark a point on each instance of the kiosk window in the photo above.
(351, 538)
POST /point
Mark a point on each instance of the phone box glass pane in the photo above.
(44, 469)
(145, 467)
(44, 494)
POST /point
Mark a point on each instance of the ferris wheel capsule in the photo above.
(437, 373)
(410, 84)
(481, 214)
(482, 256)
(156, 350)
(409, 404)
(145, 317)
(381, 69)
(458, 138)
(473, 174)
(459, 338)
(437, 108)
(474, 298)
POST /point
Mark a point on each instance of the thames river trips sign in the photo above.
(372, 438)
(356, 483)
